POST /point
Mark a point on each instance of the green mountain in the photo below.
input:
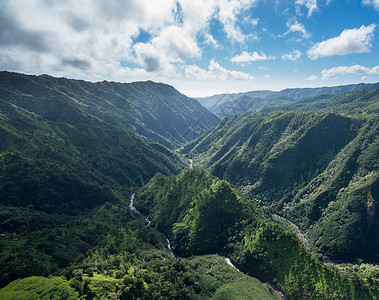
(125, 260)
(55, 173)
(318, 169)
(74, 156)
(355, 102)
(226, 104)
(151, 110)
(202, 214)
(197, 212)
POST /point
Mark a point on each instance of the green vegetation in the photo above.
(271, 253)
(254, 242)
(199, 213)
(38, 288)
(318, 169)
(73, 152)
(154, 111)
(323, 98)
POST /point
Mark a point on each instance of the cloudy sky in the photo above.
(202, 47)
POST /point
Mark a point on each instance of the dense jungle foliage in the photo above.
(154, 111)
(202, 214)
(72, 153)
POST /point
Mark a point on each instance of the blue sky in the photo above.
(202, 47)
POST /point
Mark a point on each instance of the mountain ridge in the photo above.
(154, 111)
(226, 104)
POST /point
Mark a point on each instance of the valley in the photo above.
(135, 191)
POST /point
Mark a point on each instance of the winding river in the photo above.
(132, 208)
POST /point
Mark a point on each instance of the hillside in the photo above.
(318, 169)
(73, 153)
(54, 174)
(202, 214)
(226, 104)
(198, 213)
(151, 110)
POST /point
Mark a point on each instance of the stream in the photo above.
(132, 208)
(227, 259)
(299, 235)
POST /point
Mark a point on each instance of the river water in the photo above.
(132, 207)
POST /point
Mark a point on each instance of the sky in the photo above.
(201, 47)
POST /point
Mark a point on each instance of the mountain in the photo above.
(112, 253)
(93, 204)
(226, 104)
(199, 213)
(202, 214)
(355, 102)
(318, 169)
(151, 110)
(58, 169)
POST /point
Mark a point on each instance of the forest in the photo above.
(73, 154)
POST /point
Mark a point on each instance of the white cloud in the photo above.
(227, 14)
(363, 77)
(356, 40)
(211, 41)
(262, 68)
(254, 22)
(174, 44)
(246, 57)
(215, 72)
(87, 39)
(295, 26)
(311, 5)
(292, 56)
(374, 3)
(344, 70)
(267, 76)
(312, 77)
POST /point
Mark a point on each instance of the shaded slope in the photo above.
(52, 175)
(62, 163)
(152, 110)
(300, 164)
(198, 212)
(257, 245)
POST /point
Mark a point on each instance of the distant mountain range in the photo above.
(226, 104)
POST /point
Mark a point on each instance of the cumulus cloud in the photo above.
(311, 78)
(99, 39)
(215, 72)
(356, 40)
(292, 56)
(311, 5)
(246, 57)
(72, 37)
(211, 41)
(344, 70)
(172, 45)
(228, 11)
(374, 3)
(294, 26)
